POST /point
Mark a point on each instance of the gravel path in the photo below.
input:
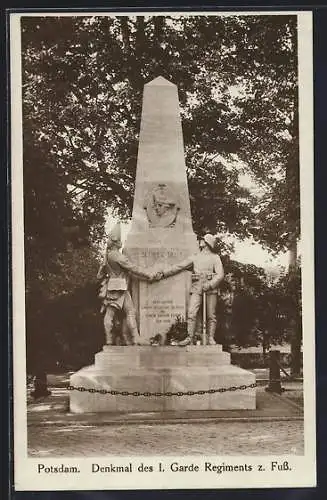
(232, 438)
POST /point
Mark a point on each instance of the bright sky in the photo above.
(247, 251)
(250, 252)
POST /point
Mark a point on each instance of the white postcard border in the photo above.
(303, 467)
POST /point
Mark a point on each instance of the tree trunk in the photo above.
(295, 313)
(140, 34)
(293, 214)
(132, 50)
(125, 34)
(159, 23)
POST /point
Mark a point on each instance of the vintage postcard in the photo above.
(162, 250)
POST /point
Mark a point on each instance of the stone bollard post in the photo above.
(274, 373)
(40, 386)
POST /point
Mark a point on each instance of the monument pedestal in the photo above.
(160, 237)
(161, 369)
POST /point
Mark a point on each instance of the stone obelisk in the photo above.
(161, 231)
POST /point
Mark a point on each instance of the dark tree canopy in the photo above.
(83, 79)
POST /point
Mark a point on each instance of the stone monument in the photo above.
(161, 235)
(161, 230)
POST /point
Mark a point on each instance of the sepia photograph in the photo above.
(162, 250)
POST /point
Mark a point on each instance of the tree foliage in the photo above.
(254, 310)
(237, 83)
(83, 80)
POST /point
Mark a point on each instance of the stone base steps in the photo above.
(160, 370)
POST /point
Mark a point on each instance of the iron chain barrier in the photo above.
(288, 376)
(233, 388)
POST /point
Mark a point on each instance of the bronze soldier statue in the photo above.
(114, 274)
(207, 274)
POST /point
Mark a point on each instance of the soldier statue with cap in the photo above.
(114, 275)
(207, 273)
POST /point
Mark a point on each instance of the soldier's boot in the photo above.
(211, 333)
(124, 337)
(108, 325)
(189, 339)
(124, 332)
(132, 329)
(109, 338)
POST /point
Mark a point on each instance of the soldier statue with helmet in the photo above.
(114, 274)
(207, 274)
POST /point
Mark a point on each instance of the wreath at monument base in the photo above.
(176, 333)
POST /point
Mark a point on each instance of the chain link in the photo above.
(233, 388)
(284, 371)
